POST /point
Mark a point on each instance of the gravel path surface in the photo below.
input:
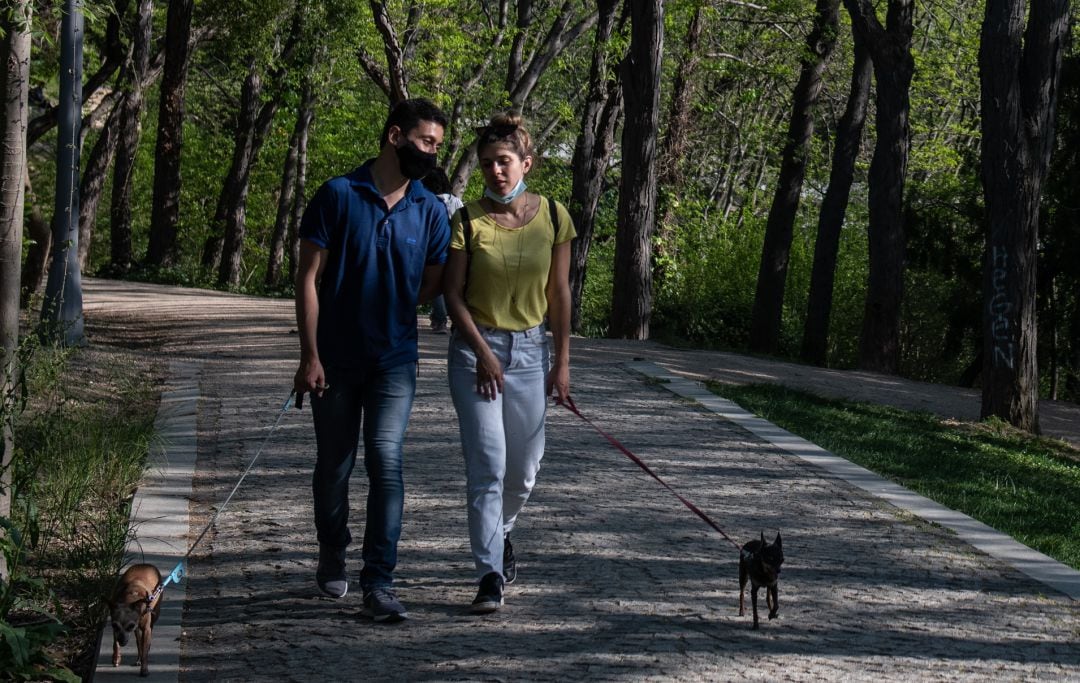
(617, 580)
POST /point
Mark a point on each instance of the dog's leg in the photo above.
(115, 652)
(142, 637)
(742, 586)
(773, 598)
(753, 602)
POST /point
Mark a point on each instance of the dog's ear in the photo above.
(778, 542)
(762, 539)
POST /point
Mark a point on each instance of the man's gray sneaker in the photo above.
(330, 575)
(380, 604)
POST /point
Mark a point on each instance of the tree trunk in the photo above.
(93, 180)
(225, 247)
(673, 149)
(631, 304)
(522, 74)
(890, 51)
(287, 195)
(165, 214)
(1072, 372)
(595, 143)
(232, 205)
(779, 227)
(39, 232)
(834, 207)
(14, 84)
(299, 200)
(115, 54)
(1019, 74)
(397, 78)
(61, 312)
(127, 139)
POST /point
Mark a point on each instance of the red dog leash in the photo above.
(569, 405)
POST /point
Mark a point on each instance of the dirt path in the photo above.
(617, 581)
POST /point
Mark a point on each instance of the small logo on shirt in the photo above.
(410, 240)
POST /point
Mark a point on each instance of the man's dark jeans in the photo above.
(379, 403)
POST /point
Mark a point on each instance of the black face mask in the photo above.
(414, 164)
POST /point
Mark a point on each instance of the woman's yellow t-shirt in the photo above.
(508, 267)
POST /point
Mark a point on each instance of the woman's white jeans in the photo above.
(502, 439)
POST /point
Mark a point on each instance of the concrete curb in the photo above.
(160, 522)
(1042, 568)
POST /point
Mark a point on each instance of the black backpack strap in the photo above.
(466, 225)
(466, 228)
(554, 212)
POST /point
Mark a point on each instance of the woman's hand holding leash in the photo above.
(558, 382)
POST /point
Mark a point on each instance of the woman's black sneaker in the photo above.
(509, 562)
(490, 596)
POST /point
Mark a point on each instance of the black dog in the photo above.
(760, 562)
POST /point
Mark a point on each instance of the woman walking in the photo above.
(507, 271)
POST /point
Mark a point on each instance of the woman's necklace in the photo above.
(506, 267)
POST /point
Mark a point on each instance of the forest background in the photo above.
(884, 184)
(207, 123)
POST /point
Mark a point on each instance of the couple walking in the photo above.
(374, 244)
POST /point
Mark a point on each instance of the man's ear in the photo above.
(393, 135)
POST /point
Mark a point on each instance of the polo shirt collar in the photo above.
(361, 178)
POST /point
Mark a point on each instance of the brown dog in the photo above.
(132, 610)
(760, 563)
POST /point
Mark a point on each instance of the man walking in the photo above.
(373, 245)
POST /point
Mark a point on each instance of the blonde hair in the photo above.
(508, 129)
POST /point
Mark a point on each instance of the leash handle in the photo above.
(569, 405)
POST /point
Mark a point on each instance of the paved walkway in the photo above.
(617, 580)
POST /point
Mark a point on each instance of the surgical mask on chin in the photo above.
(506, 199)
(413, 163)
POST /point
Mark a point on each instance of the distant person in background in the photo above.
(437, 182)
(508, 270)
(373, 243)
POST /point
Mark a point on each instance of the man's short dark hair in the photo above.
(408, 114)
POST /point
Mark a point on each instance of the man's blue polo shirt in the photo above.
(374, 264)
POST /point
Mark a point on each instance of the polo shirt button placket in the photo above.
(384, 233)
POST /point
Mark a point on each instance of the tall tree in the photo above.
(113, 51)
(779, 228)
(833, 207)
(39, 232)
(593, 149)
(226, 245)
(299, 199)
(14, 84)
(524, 67)
(287, 196)
(61, 312)
(631, 304)
(1019, 69)
(394, 81)
(671, 158)
(890, 51)
(165, 214)
(92, 184)
(127, 138)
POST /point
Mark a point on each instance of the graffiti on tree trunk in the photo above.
(1000, 308)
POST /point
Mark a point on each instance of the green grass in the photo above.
(80, 447)
(1024, 486)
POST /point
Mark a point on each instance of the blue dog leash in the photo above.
(180, 570)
